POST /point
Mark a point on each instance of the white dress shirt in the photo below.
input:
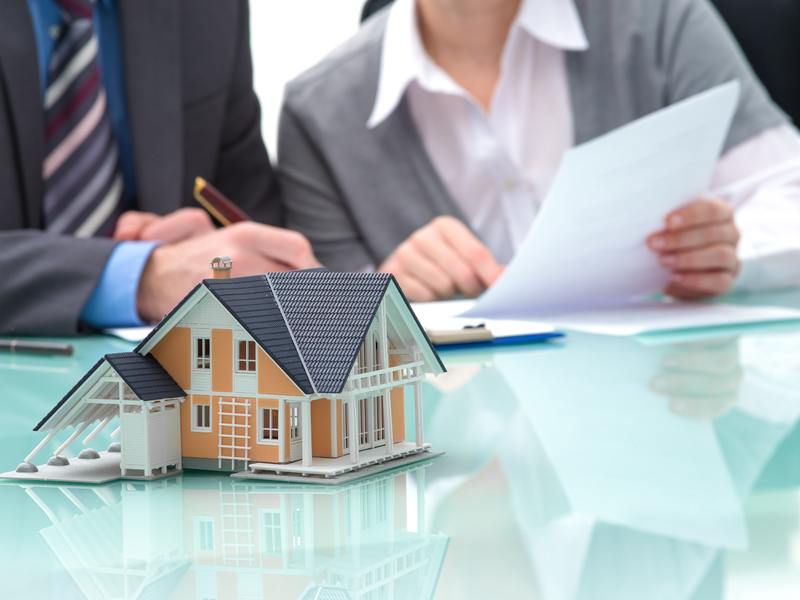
(498, 166)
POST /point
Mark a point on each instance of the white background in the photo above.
(289, 36)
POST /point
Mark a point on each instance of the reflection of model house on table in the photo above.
(220, 538)
(300, 373)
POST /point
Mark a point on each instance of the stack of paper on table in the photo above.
(585, 264)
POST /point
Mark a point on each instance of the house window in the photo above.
(294, 423)
(247, 357)
(270, 532)
(269, 427)
(202, 359)
(201, 417)
(204, 534)
(345, 427)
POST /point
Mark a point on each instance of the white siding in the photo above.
(133, 440)
(250, 586)
(189, 319)
(244, 384)
(212, 314)
(172, 431)
(155, 433)
(201, 381)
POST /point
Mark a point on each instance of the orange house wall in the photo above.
(321, 428)
(397, 401)
(196, 444)
(264, 452)
(273, 381)
(221, 361)
(174, 353)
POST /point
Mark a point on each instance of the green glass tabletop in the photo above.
(659, 467)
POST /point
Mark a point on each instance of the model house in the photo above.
(276, 375)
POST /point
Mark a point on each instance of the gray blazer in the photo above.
(192, 111)
(358, 193)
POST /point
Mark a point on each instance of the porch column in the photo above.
(352, 416)
(305, 426)
(387, 421)
(122, 445)
(148, 470)
(388, 433)
(419, 436)
(308, 529)
(420, 476)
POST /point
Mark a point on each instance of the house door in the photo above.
(370, 422)
(295, 432)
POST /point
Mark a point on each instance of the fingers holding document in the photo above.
(442, 260)
(698, 246)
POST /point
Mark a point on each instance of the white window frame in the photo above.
(260, 439)
(253, 360)
(197, 337)
(295, 421)
(273, 513)
(195, 426)
(201, 526)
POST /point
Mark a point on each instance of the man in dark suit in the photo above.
(112, 105)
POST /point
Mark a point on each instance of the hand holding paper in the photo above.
(699, 247)
(587, 248)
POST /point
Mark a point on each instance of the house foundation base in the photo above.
(333, 471)
(87, 470)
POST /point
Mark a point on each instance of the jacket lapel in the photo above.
(19, 72)
(152, 58)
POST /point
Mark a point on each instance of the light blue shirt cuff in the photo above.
(113, 302)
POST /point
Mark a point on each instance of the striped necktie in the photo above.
(82, 178)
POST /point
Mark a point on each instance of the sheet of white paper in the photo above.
(647, 317)
(587, 246)
(441, 316)
(130, 334)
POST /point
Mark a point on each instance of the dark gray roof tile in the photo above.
(252, 304)
(145, 376)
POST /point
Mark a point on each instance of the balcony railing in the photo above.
(370, 381)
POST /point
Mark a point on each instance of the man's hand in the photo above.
(173, 269)
(180, 225)
(441, 260)
(699, 247)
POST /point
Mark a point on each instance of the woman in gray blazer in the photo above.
(425, 144)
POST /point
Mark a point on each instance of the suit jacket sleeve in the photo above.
(243, 171)
(47, 280)
(700, 52)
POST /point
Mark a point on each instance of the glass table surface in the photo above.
(658, 467)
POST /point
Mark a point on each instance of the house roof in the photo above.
(329, 315)
(251, 302)
(312, 322)
(145, 376)
(69, 394)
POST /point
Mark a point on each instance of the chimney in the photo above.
(221, 267)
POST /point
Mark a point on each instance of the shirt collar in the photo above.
(404, 59)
